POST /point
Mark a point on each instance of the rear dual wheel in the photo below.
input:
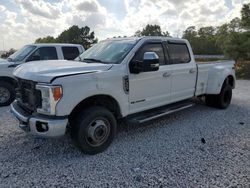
(222, 100)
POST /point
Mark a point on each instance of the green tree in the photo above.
(78, 35)
(190, 33)
(48, 39)
(207, 40)
(202, 41)
(73, 35)
(245, 16)
(235, 25)
(222, 35)
(151, 30)
(236, 43)
(206, 32)
(237, 46)
(192, 36)
(8, 53)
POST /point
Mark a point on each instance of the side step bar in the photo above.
(165, 113)
(157, 113)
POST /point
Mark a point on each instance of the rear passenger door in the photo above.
(70, 52)
(183, 69)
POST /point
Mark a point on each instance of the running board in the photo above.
(157, 113)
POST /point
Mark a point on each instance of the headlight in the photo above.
(51, 95)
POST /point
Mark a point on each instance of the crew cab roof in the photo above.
(54, 44)
(173, 39)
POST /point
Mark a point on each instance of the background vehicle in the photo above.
(136, 79)
(33, 52)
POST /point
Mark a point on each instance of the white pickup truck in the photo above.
(132, 79)
(32, 52)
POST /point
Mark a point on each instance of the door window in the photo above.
(154, 47)
(178, 53)
(70, 53)
(44, 53)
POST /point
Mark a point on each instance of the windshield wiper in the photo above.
(92, 59)
(96, 60)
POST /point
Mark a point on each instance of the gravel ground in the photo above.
(197, 147)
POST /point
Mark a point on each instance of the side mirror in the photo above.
(150, 63)
(33, 58)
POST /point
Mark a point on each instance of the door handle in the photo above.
(192, 71)
(166, 74)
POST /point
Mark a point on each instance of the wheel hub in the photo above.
(4, 95)
(98, 132)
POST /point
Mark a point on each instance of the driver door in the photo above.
(43, 53)
(150, 89)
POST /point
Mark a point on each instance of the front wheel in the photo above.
(94, 130)
(7, 93)
(222, 100)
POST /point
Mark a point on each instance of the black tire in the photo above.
(93, 129)
(222, 100)
(210, 100)
(7, 93)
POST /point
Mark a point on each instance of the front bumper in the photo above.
(39, 126)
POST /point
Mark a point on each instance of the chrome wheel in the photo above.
(98, 132)
(4, 95)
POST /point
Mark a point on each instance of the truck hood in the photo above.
(46, 71)
(2, 60)
(4, 63)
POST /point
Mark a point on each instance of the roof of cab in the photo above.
(55, 44)
(146, 37)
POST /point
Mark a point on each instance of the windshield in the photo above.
(21, 54)
(108, 52)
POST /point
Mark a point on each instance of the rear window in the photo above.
(70, 53)
(178, 53)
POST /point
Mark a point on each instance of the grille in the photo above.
(27, 96)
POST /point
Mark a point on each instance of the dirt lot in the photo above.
(168, 152)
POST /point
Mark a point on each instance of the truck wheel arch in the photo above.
(10, 80)
(230, 80)
(98, 100)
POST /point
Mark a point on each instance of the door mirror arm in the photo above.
(135, 67)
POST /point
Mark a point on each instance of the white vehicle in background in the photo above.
(32, 52)
(132, 79)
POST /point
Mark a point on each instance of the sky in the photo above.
(23, 21)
